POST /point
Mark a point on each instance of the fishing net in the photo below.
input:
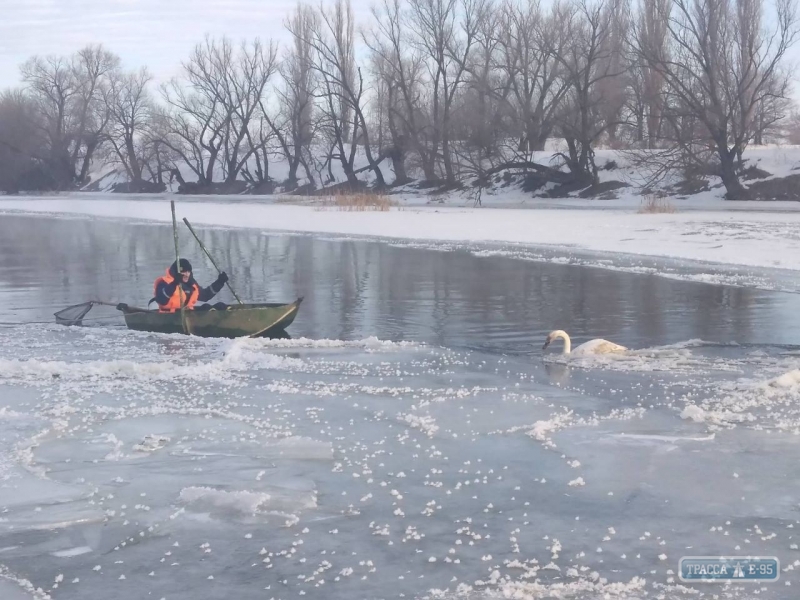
(73, 315)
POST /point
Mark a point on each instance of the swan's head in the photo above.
(553, 336)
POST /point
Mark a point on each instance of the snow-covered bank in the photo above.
(744, 238)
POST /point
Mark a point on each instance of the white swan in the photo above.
(597, 346)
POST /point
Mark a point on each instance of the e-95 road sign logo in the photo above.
(729, 568)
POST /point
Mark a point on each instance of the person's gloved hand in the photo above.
(220, 282)
(122, 306)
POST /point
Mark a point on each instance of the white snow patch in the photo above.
(425, 423)
(370, 343)
(746, 238)
(17, 588)
(787, 380)
(541, 430)
(70, 552)
(245, 502)
(693, 412)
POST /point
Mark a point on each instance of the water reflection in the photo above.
(355, 289)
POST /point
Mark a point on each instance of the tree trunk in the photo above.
(448, 161)
(592, 166)
(379, 180)
(373, 164)
(233, 171)
(653, 124)
(209, 174)
(233, 161)
(531, 133)
(177, 175)
(540, 140)
(640, 126)
(572, 163)
(294, 164)
(428, 165)
(331, 178)
(735, 189)
(398, 164)
(91, 145)
(349, 172)
(397, 152)
(135, 168)
(311, 181)
(159, 170)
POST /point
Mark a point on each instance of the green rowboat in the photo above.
(252, 320)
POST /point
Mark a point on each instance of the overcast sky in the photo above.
(156, 33)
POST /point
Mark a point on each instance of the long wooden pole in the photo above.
(208, 254)
(178, 266)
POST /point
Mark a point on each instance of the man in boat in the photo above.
(168, 295)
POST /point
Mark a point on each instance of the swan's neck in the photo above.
(567, 342)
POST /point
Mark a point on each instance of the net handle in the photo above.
(84, 307)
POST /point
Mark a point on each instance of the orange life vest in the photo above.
(174, 303)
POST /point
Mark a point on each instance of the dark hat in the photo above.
(185, 266)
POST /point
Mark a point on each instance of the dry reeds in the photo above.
(367, 201)
(656, 204)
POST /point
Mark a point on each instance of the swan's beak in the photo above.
(546, 344)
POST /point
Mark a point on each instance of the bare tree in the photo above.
(530, 41)
(93, 66)
(342, 86)
(446, 32)
(769, 114)
(259, 136)
(400, 69)
(131, 110)
(791, 130)
(652, 35)
(53, 87)
(482, 104)
(393, 138)
(158, 157)
(189, 127)
(208, 115)
(243, 87)
(67, 93)
(293, 127)
(587, 62)
(722, 63)
(23, 145)
(613, 88)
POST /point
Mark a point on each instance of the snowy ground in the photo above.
(739, 243)
(776, 160)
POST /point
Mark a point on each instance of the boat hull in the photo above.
(246, 320)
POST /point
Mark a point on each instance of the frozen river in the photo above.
(410, 440)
